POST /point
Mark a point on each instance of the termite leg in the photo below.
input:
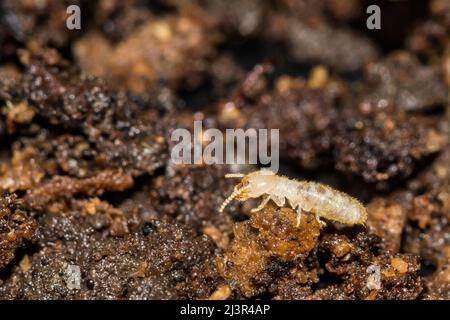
(262, 205)
(279, 201)
(321, 222)
(299, 217)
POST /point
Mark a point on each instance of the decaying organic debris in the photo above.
(15, 227)
(92, 207)
(270, 255)
(162, 261)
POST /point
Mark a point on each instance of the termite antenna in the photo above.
(234, 175)
(233, 195)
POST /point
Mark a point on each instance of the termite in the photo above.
(303, 196)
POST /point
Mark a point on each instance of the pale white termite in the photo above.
(302, 196)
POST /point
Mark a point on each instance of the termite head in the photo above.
(252, 185)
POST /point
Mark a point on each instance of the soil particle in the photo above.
(269, 255)
(16, 227)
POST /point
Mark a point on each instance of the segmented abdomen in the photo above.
(329, 203)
